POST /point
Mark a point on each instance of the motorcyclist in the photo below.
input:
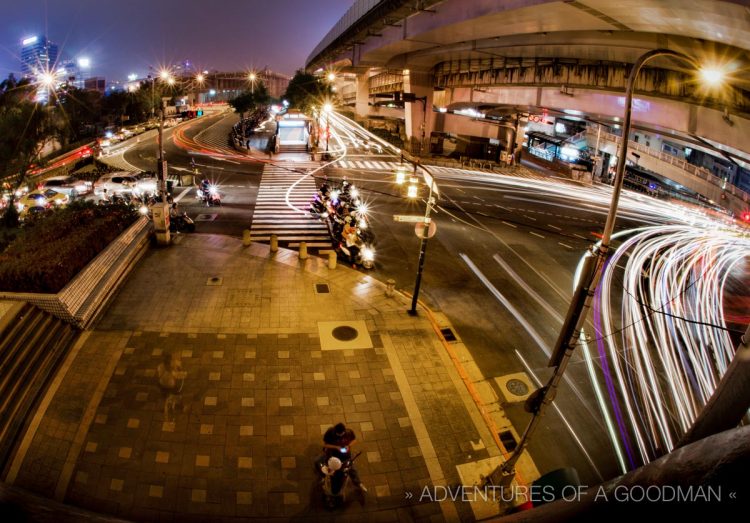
(204, 185)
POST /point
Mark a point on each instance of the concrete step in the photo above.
(30, 352)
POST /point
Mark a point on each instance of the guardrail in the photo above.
(699, 172)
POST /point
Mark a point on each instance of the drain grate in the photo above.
(322, 288)
(508, 441)
(344, 333)
(448, 334)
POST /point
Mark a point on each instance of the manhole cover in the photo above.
(344, 333)
(517, 387)
(322, 288)
(205, 217)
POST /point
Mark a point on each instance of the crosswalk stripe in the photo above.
(271, 214)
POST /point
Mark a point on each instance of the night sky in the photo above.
(126, 36)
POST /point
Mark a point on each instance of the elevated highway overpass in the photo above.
(519, 57)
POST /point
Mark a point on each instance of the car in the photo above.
(43, 198)
(147, 184)
(68, 185)
(115, 183)
(124, 182)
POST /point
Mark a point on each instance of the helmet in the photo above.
(334, 464)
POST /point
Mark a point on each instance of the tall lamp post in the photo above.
(589, 277)
(327, 108)
(252, 78)
(423, 239)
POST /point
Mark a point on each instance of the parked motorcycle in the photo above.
(181, 223)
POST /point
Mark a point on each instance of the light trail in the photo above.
(661, 334)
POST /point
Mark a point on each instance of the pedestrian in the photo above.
(337, 442)
(171, 379)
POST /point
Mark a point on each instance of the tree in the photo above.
(243, 103)
(306, 90)
(26, 126)
(81, 110)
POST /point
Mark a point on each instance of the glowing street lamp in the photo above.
(712, 75)
(200, 78)
(47, 79)
(252, 78)
(331, 76)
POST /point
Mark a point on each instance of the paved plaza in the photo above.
(267, 373)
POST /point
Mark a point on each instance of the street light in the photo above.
(412, 193)
(590, 273)
(327, 108)
(252, 78)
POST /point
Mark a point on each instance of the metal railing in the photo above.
(694, 170)
(355, 12)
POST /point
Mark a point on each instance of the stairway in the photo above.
(292, 147)
(32, 345)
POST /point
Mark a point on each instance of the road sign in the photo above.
(407, 218)
(419, 230)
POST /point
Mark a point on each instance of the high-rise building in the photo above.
(37, 54)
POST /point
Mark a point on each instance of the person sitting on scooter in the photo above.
(204, 186)
(337, 441)
(352, 241)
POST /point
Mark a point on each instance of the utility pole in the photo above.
(423, 240)
(160, 209)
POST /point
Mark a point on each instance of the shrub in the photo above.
(46, 255)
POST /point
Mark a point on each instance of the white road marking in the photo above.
(537, 235)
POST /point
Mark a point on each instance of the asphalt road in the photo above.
(500, 266)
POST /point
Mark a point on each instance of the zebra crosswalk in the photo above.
(377, 165)
(283, 184)
(366, 164)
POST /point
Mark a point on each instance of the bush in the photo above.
(46, 255)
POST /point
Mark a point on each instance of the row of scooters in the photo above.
(345, 214)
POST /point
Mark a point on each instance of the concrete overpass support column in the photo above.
(418, 115)
(362, 100)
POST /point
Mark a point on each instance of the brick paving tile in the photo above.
(258, 394)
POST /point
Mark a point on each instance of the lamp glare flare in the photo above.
(712, 75)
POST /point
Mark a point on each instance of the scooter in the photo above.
(336, 480)
(210, 196)
(181, 223)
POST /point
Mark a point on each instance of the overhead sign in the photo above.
(407, 218)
